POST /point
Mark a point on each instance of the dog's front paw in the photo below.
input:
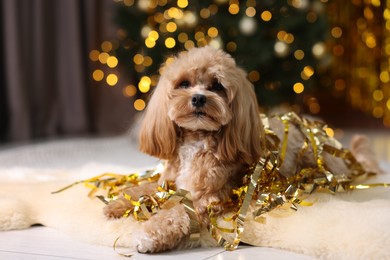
(148, 243)
(166, 230)
(117, 208)
(215, 203)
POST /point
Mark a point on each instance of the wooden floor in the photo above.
(45, 243)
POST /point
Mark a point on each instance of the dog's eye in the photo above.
(217, 86)
(184, 84)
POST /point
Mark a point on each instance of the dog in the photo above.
(203, 119)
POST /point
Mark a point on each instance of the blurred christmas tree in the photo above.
(280, 43)
(360, 47)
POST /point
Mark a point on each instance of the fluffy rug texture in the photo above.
(353, 225)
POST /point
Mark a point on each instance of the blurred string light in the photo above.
(171, 25)
(361, 46)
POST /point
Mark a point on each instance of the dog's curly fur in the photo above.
(203, 119)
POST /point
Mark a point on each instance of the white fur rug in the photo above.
(345, 226)
(349, 226)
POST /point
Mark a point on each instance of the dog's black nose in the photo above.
(198, 100)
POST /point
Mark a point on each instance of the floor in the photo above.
(44, 243)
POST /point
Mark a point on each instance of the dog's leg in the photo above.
(117, 208)
(164, 231)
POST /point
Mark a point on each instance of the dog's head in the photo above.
(203, 90)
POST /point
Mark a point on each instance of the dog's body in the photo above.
(204, 120)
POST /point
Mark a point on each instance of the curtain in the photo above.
(46, 89)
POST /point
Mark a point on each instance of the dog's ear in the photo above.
(158, 134)
(241, 138)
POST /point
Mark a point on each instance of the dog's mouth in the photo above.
(199, 114)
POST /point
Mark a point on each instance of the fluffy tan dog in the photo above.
(203, 119)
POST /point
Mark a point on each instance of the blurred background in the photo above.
(87, 67)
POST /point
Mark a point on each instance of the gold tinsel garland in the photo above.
(264, 188)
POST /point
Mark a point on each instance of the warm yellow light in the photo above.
(298, 88)
(171, 27)
(288, 38)
(182, 37)
(336, 32)
(103, 57)
(199, 35)
(139, 105)
(213, 9)
(174, 12)
(308, 71)
(254, 76)
(304, 76)
(148, 61)
(250, 11)
(146, 79)
(143, 88)
(159, 18)
(153, 35)
(231, 46)
(266, 16)
(189, 45)
(212, 32)
(144, 84)
(384, 76)
(129, 91)
(299, 54)
(370, 41)
(377, 95)
(377, 112)
(170, 42)
(112, 79)
(106, 46)
(388, 104)
(281, 35)
(386, 14)
(376, 3)
(98, 75)
(201, 43)
(112, 62)
(138, 59)
(234, 8)
(94, 55)
(150, 43)
(204, 13)
(368, 14)
(182, 3)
